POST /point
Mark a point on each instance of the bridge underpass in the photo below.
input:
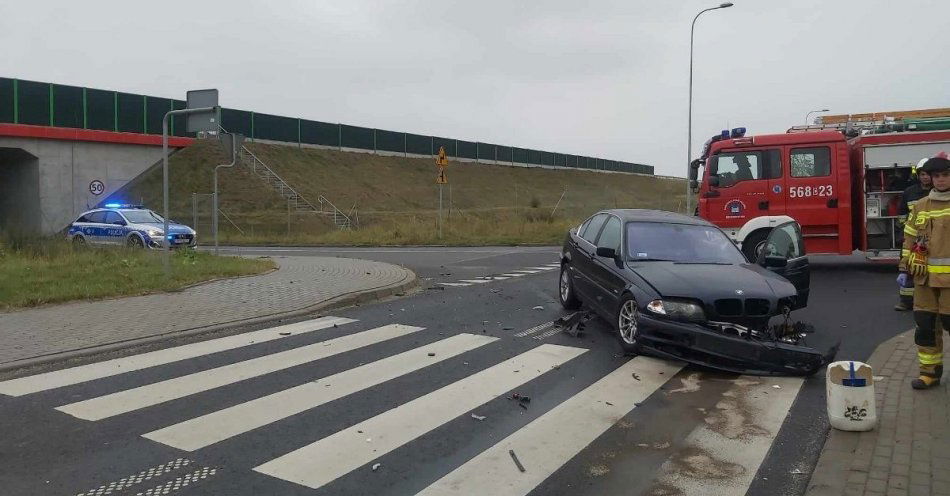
(49, 175)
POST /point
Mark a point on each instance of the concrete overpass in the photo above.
(49, 175)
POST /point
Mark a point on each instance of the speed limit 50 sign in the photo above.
(96, 187)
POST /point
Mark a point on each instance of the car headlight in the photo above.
(677, 310)
(154, 233)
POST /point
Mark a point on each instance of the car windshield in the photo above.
(142, 216)
(680, 243)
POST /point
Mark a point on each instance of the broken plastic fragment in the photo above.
(376, 466)
(478, 417)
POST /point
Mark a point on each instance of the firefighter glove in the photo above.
(904, 280)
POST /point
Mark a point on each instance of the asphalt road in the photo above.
(597, 423)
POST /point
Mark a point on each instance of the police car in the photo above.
(127, 225)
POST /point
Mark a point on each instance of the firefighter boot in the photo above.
(929, 354)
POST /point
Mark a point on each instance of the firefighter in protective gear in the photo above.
(927, 245)
(914, 192)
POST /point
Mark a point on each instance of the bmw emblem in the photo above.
(740, 292)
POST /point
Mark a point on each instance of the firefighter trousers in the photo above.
(906, 296)
(932, 316)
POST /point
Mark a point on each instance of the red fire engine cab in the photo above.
(842, 184)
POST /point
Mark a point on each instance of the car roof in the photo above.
(661, 216)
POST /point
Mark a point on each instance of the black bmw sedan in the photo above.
(678, 287)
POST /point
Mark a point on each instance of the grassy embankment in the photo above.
(395, 199)
(40, 271)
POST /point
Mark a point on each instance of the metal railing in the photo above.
(295, 200)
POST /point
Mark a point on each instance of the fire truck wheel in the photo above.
(753, 244)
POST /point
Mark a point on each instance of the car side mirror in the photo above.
(774, 262)
(606, 252)
(713, 180)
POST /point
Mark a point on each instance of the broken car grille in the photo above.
(736, 307)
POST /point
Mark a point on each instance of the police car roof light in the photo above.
(724, 134)
(112, 205)
(122, 205)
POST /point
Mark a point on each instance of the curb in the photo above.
(830, 474)
(408, 284)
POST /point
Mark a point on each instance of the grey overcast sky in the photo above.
(600, 78)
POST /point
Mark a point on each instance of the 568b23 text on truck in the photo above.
(841, 183)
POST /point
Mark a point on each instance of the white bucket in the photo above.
(850, 407)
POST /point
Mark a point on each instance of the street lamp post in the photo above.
(689, 131)
(814, 112)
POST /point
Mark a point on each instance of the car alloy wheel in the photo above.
(566, 290)
(135, 242)
(628, 323)
(79, 241)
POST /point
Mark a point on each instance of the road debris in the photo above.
(522, 400)
(478, 417)
(538, 307)
(517, 462)
(376, 466)
(609, 403)
(635, 376)
(776, 386)
(574, 323)
(285, 333)
(431, 354)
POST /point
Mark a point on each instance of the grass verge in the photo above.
(39, 272)
(507, 227)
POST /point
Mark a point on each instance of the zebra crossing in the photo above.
(501, 277)
(545, 444)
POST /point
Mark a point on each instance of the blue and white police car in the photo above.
(128, 225)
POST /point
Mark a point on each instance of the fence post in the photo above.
(194, 210)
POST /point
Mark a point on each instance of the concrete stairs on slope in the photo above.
(295, 201)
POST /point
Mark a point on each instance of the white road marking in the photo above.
(133, 399)
(494, 278)
(475, 281)
(514, 275)
(543, 268)
(537, 328)
(454, 284)
(548, 333)
(132, 480)
(333, 456)
(746, 421)
(552, 439)
(108, 368)
(528, 271)
(181, 482)
(220, 425)
(554, 265)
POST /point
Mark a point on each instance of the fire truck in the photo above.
(841, 181)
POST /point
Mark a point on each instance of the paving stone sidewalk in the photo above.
(300, 283)
(908, 453)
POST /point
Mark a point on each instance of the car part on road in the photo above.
(574, 323)
(517, 462)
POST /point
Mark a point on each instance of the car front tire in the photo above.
(79, 241)
(628, 326)
(135, 242)
(566, 290)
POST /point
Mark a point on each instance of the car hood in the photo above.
(172, 228)
(712, 281)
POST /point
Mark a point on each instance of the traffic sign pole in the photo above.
(441, 161)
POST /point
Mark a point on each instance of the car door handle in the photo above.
(833, 203)
(763, 205)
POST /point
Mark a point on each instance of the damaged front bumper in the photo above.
(731, 348)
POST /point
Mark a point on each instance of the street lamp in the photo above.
(814, 112)
(689, 132)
